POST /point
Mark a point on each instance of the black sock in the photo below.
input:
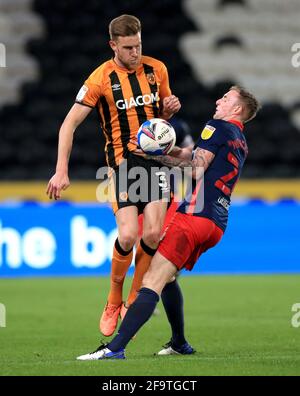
(172, 299)
(120, 249)
(138, 313)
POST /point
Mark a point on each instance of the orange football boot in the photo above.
(109, 319)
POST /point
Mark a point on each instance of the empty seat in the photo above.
(208, 46)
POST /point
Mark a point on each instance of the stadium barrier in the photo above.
(58, 239)
(87, 191)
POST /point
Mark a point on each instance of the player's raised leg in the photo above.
(127, 222)
(154, 214)
(160, 271)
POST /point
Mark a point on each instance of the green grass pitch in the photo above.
(240, 325)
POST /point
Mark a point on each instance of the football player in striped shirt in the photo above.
(126, 91)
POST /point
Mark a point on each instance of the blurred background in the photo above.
(51, 47)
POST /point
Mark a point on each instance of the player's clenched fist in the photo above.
(171, 105)
(58, 182)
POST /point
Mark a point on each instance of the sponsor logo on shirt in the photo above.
(116, 87)
(224, 202)
(140, 100)
(238, 143)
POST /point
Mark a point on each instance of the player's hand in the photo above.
(138, 151)
(171, 105)
(59, 182)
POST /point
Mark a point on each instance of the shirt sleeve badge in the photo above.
(81, 94)
(207, 132)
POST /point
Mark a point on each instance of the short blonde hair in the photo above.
(124, 25)
(251, 104)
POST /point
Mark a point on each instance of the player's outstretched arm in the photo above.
(198, 165)
(60, 180)
(183, 153)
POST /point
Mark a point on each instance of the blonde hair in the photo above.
(124, 25)
(251, 104)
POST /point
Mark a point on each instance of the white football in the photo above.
(156, 137)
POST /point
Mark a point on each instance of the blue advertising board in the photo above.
(68, 239)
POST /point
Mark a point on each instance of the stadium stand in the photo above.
(17, 24)
(208, 45)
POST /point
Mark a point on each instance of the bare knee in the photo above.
(151, 237)
(127, 240)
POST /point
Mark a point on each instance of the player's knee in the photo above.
(127, 240)
(151, 237)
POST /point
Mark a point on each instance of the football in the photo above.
(156, 137)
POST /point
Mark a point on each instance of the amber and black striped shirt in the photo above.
(125, 100)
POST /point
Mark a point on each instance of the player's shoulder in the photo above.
(97, 75)
(214, 129)
(149, 60)
(220, 126)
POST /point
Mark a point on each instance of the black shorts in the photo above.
(137, 181)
